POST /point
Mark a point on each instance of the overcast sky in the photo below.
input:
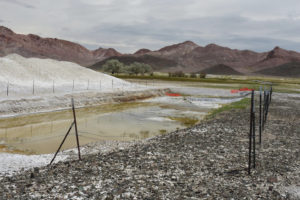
(128, 25)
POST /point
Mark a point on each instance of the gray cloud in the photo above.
(20, 3)
(128, 25)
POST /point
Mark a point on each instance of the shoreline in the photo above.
(37, 105)
(207, 161)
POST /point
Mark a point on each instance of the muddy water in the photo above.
(42, 133)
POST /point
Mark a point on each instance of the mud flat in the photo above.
(207, 161)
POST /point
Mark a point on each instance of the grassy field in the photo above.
(242, 104)
(284, 85)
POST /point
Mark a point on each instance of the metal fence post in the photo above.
(271, 91)
(260, 98)
(264, 110)
(253, 130)
(250, 134)
(76, 131)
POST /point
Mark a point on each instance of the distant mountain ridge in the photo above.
(215, 59)
(186, 56)
(35, 46)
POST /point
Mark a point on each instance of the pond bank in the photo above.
(207, 161)
(50, 103)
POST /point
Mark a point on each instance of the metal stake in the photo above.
(76, 132)
(260, 93)
(250, 134)
(62, 143)
(253, 130)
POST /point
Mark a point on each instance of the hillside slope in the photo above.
(186, 56)
(35, 46)
(287, 70)
(190, 57)
(221, 69)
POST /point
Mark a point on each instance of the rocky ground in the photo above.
(208, 161)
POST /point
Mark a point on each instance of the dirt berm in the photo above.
(49, 103)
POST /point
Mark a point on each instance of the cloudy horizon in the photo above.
(131, 25)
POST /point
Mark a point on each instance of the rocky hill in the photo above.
(186, 56)
(190, 57)
(35, 46)
(285, 70)
(220, 69)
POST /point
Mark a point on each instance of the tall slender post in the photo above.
(73, 86)
(62, 143)
(264, 110)
(253, 130)
(267, 105)
(271, 91)
(76, 131)
(250, 135)
(260, 98)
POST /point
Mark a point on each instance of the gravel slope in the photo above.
(207, 161)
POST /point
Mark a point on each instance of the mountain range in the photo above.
(35, 46)
(214, 59)
(186, 56)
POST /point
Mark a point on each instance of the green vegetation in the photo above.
(114, 66)
(162, 131)
(186, 79)
(180, 74)
(185, 121)
(283, 85)
(144, 134)
(242, 104)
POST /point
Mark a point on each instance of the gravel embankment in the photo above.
(25, 106)
(207, 161)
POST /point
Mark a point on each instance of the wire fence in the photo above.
(265, 99)
(36, 87)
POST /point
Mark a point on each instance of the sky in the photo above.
(128, 25)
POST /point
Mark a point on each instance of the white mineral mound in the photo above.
(47, 75)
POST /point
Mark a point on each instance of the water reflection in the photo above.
(38, 134)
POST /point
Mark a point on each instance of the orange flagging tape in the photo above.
(240, 90)
(173, 94)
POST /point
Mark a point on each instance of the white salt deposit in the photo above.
(27, 76)
(30, 85)
(12, 163)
